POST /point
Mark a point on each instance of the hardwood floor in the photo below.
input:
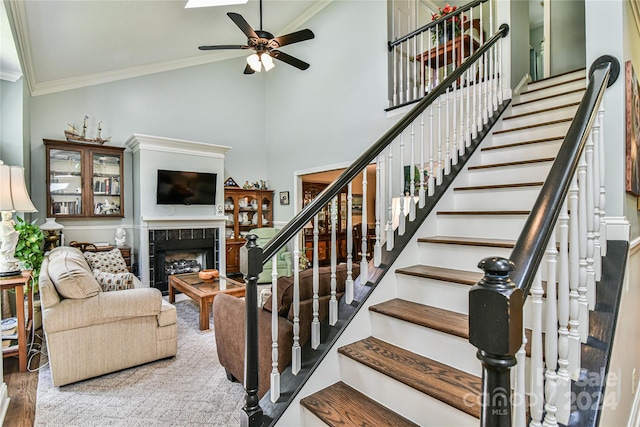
(21, 387)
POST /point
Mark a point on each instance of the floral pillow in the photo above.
(110, 261)
(113, 281)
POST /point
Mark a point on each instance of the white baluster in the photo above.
(315, 323)
(564, 380)
(461, 136)
(364, 265)
(582, 234)
(492, 63)
(597, 254)
(454, 150)
(574, 282)
(431, 183)
(390, 201)
(402, 218)
(447, 142)
(415, 68)
(421, 65)
(440, 160)
(485, 83)
(590, 195)
(333, 301)
(602, 204)
(275, 375)
(421, 192)
(551, 337)
(412, 175)
(520, 403)
(296, 350)
(537, 365)
(348, 285)
(500, 79)
(377, 248)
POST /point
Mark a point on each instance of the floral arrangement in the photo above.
(442, 32)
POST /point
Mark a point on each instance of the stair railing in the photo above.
(570, 205)
(422, 58)
(410, 160)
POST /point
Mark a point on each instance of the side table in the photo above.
(24, 325)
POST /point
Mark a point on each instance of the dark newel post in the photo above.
(495, 329)
(251, 267)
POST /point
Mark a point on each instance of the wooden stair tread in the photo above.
(435, 379)
(550, 96)
(518, 163)
(483, 212)
(542, 110)
(469, 241)
(341, 405)
(518, 144)
(499, 186)
(556, 85)
(462, 277)
(536, 125)
(435, 318)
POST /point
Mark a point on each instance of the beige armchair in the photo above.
(90, 332)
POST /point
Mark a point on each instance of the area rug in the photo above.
(188, 390)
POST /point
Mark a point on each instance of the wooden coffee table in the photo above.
(203, 291)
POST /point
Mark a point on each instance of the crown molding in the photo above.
(138, 142)
(12, 76)
(16, 14)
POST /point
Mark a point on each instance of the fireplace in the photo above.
(175, 251)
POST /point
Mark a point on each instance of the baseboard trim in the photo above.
(618, 228)
(4, 402)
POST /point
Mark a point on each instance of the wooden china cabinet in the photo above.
(84, 180)
(244, 211)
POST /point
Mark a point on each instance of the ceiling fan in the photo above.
(265, 45)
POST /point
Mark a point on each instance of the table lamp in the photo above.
(13, 198)
(52, 230)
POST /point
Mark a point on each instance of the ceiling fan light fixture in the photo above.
(267, 61)
(254, 62)
(208, 3)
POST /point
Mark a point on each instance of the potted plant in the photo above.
(443, 32)
(29, 249)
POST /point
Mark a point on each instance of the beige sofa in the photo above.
(90, 332)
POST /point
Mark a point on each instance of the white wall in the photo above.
(567, 35)
(332, 112)
(213, 103)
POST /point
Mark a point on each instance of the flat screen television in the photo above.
(186, 188)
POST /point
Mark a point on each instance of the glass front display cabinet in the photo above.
(84, 180)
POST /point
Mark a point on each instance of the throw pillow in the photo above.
(113, 282)
(110, 261)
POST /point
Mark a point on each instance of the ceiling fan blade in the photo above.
(298, 36)
(289, 59)
(223, 47)
(248, 70)
(242, 24)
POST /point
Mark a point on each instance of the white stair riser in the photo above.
(541, 117)
(517, 198)
(420, 408)
(530, 134)
(310, 420)
(529, 96)
(500, 226)
(560, 99)
(558, 79)
(521, 152)
(461, 257)
(427, 342)
(436, 293)
(531, 172)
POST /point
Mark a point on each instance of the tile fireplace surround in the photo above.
(161, 234)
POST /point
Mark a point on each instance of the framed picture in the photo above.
(356, 204)
(633, 130)
(284, 197)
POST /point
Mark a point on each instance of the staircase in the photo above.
(417, 366)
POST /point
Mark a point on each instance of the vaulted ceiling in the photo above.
(65, 44)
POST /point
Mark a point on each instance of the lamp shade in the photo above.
(51, 225)
(13, 190)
